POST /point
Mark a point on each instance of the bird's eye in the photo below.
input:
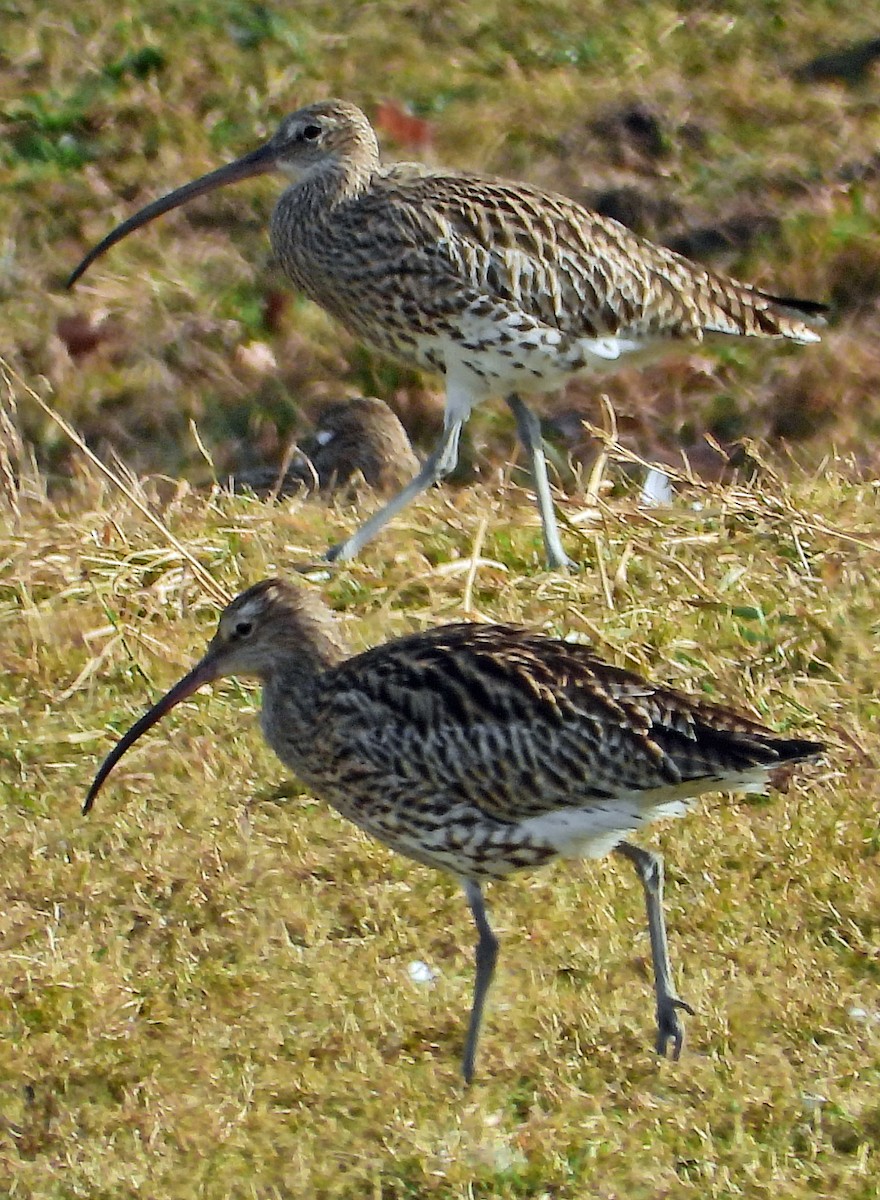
(242, 629)
(311, 133)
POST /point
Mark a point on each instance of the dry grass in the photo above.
(204, 988)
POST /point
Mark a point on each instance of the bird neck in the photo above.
(340, 177)
(292, 691)
(301, 654)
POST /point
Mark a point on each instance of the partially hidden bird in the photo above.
(500, 287)
(481, 750)
(355, 439)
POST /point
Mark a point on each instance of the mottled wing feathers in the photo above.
(559, 263)
(492, 708)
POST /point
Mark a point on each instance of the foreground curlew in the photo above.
(356, 437)
(499, 286)
(481, 750)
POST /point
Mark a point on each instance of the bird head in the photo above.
(321, 134)
(265, 628)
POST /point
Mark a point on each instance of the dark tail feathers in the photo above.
(793, 749)
(806, 308)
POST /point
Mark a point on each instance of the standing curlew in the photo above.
(481, 750)
(360, 436)
(500, 287)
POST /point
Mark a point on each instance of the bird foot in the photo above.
(561, 562)
(669, 1025)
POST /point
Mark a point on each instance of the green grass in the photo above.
(100, 122)
(203, 987)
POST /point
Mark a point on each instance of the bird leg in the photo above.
(438, 464)
(529, 431)
(669, 1026)
(486, 957)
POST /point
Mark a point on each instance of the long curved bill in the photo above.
(258, 162)
(203, 672)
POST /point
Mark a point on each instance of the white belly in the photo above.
(504, 352)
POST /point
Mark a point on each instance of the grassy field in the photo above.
(205, 987)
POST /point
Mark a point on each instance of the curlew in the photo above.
(481, 750)
(356, 437)
(500, 287)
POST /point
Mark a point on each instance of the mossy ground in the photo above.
(204, 988)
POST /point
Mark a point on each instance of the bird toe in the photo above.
(669, 1026)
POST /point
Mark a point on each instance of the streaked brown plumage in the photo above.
(356, 437)
(481, 749)
(501, 287)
